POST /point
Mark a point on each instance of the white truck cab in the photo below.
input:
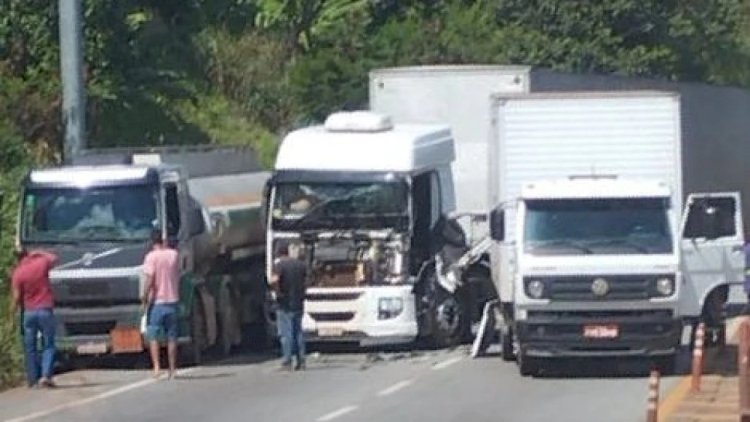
(598, 256)
(360, 198)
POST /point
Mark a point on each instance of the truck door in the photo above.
(711, 247)
(175, 206)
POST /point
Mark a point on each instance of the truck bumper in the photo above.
(87, 331)
(351, 315)
(561, 334)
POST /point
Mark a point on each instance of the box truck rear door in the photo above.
(711, 247)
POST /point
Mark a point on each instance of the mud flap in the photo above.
(486, 334)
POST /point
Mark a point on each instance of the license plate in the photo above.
(126, 340)
(92, 349)
(601, 331)
(330, 332)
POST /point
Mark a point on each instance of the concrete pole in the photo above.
(71, 74)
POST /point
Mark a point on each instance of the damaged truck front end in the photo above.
(354, 236)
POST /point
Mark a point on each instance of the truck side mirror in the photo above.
(497, 224)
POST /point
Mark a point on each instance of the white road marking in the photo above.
(446, 363)
(395, 387)
(337, 413)
(102, 396)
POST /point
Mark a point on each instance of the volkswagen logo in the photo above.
(600, 287)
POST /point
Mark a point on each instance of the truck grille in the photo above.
(345, 296)
(579, 288)
(95, 291)
(332, 316)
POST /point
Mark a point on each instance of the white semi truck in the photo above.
(599, 256)
(97, 215)
(366, 202)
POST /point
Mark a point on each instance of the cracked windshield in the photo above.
(340, 205)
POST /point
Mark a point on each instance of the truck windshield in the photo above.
(340, 205)
(597, 226)
(110, 213)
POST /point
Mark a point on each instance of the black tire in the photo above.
(447, 317)
(527, 366)
(192, 353)
(506, 345)
(666, 365)
(228, 321)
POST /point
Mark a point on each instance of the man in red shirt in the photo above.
(161, 297)
(32, 294)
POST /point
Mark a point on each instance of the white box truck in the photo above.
(599, 254)
(713, 125)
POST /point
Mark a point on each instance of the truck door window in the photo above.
(172, 209)
(711, 218)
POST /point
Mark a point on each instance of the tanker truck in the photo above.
(97, 214)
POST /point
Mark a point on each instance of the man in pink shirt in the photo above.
(161, 297)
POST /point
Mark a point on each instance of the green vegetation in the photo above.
(247, 71)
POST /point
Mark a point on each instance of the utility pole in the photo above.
(71, 68)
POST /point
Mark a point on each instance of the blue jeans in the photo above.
(37, 321)
(291, 336)
(162, 318)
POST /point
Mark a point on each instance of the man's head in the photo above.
(156, 238)
(283, 250)
(21, 252)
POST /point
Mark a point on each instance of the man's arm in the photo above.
(275, 279)
(149, 272)
(15, 298)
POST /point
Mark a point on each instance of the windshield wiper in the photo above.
(563, 242)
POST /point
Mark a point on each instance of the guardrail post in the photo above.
(743, 370)
(652, 411)
(697, 367)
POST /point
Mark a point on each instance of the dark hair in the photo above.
(283, 249)
(21, 252)
(156, 238)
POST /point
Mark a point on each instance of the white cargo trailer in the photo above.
(597, 258)
(714, 121)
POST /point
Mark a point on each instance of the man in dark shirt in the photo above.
(288, 282)
(32, 295)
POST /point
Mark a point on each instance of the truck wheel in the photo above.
(527, 366)
(192, 353)
(666, 365)
(447, 317)
(228, 319)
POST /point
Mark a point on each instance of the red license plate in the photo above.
(601, 331)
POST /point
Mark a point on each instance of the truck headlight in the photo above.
(665, 286)
(535, 289)
(390, 307)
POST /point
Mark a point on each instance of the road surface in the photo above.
(430, 386)
(419, 386)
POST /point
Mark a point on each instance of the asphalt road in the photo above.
(430, 386)
(418, 386)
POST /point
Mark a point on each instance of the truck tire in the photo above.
(527, 366)
(192, 353)
(228, 320)
(666, 365)
(447, 317)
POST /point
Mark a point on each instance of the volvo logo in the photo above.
(600, 287)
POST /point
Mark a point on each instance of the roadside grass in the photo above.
(10, 347)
